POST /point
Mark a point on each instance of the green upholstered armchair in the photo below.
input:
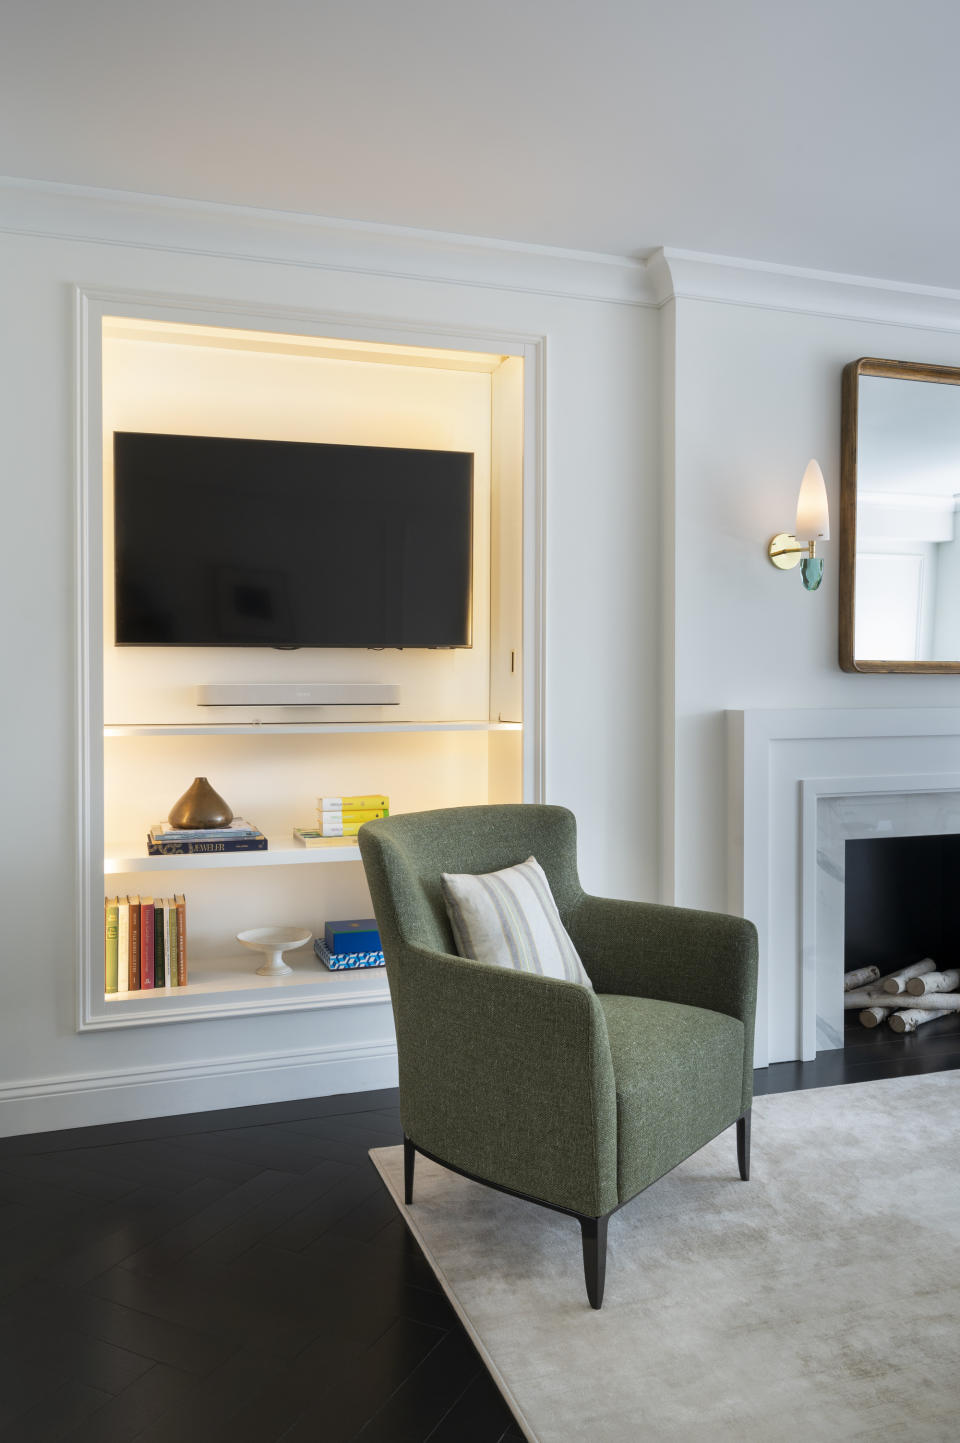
(572, 1098)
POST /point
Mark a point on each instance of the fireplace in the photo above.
(901, 907)
(803, 785)
(901, 901)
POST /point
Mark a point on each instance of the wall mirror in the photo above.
(899, 525)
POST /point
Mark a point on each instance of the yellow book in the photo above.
(315, 837)
(361, 815)
(111, 938)
(181, 906)
(353, 804)
(170, 931)
(329, 824)
(123, 944)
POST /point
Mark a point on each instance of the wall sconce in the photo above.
(813, 525)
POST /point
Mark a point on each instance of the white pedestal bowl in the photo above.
(273, 942)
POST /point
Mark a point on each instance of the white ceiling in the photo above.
(818, 133)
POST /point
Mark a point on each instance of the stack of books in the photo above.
(144, 943)
(350, 944)
(344, 816)
(240, 836)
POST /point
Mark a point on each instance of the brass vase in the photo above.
(200, 806)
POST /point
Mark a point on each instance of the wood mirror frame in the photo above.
(897, 370)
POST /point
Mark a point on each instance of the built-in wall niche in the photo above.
(457, 736)
(901, 906)
(208, 381)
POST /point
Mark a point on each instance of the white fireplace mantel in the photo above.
(781, 764)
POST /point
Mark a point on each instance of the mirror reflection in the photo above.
(906, 601)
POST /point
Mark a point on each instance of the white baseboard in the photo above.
(85, 1099)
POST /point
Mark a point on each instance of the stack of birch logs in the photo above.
(906, 998)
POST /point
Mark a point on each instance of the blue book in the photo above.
(362, 936)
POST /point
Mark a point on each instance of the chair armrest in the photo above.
(674, 954)
(508, 1076)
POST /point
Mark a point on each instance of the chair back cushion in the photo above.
(509, 918)
(404, 857)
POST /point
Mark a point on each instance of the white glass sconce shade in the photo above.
(813, 514)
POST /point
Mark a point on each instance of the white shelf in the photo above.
(230, 986)
(130, 858)
(226, 729)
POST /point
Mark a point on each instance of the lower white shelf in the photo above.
(231, 986)
(129, 857)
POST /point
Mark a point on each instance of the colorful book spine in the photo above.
(111, 936)
(134, 960)
(123, 944)
(181, 940)
(160, 847)
(163, 832)
(359, 814)
(170, 910)
(147, 938)
(159, 960)
(346, 824)
(353, 804)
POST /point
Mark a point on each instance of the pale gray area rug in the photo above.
(819, 1301)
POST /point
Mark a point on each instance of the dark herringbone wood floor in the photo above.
(243, 1276)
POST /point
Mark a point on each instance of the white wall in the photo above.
(601, 606)
(757, 393)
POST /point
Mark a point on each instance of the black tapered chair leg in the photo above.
(594, 1234)
(743, 1145)
(409, 1159)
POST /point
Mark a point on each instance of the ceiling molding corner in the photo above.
(696, 276)
(659, 278)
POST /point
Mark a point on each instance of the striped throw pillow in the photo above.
(510, 918)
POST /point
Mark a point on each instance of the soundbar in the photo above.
(314, 693)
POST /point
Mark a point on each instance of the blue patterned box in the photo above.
(338, 961)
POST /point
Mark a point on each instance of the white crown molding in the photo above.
(691, 275)
(84, 1099)
(207, 228)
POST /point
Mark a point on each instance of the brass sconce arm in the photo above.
(785, 551)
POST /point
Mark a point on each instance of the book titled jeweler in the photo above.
(163, 841)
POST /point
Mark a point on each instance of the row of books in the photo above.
(344, 816)
(145, 943)
(240, 836)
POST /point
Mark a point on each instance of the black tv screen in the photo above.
(227, 542)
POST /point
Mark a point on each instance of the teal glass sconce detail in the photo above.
(787, 550)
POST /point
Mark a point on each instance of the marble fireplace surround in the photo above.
(801, 783)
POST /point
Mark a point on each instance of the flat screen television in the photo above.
(228, 542)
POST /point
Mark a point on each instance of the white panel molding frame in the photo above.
(771, 755)
(94, 304)
(87, 1099)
